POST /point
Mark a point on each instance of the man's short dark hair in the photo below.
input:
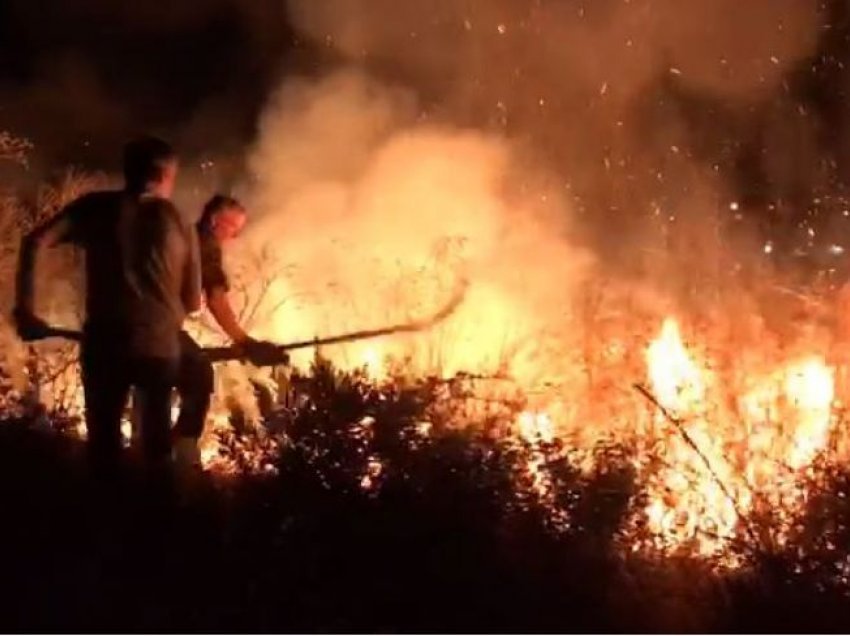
(145, 159)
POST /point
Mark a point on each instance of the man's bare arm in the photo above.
(45, 235)
(257, 351)
(221, 309)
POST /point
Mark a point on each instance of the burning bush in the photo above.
(702, 373)
(727, 435)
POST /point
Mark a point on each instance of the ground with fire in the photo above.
(647, 457)
(399, 503)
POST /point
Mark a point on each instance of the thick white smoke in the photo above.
(483, 139)
(382, 214)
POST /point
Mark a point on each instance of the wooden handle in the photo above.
(225, 354)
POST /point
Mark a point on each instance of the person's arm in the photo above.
(45, 235)
(257, 351)
(216, 287)
(222, 311)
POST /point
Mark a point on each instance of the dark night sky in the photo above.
(77, 76)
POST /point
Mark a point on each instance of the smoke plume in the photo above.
(545, 141)
(384, 213)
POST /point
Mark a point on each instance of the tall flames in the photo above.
(726, 443)
(719, 444)
(732, 421)
(728, 456)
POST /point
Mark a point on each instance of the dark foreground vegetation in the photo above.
(442, 539)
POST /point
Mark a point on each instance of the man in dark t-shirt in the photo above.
(137, 253)
(222, 220)
(142, 276)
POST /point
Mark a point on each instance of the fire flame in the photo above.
(719, 444)
(718, 466)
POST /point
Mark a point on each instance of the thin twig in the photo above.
(690, 441)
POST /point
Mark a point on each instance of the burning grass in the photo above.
(726, 449)
(375, 520)
(720, 484)
(641, 432)
(725, 462)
